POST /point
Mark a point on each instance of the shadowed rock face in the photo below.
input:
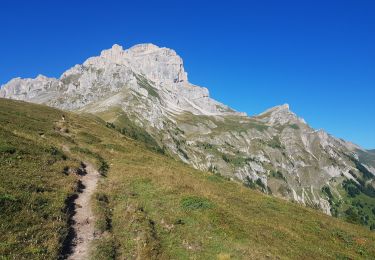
(275, 151)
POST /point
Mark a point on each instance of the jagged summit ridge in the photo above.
(158, 64)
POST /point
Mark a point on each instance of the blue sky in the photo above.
(318, 56)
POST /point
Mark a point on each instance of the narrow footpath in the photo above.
(83, 219)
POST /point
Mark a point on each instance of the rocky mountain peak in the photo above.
(160, 64)
(275, 110)
(137, 50)
(144, 48)
(146, 69)
(280, 115)
(283, 107)
(114, 53)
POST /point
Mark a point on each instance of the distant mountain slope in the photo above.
(148, 205)
(276, 151)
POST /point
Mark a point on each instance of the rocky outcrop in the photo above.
(280, 115)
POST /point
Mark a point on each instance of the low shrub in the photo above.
(195, 203)
(9, 149)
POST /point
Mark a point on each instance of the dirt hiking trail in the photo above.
(83, 219)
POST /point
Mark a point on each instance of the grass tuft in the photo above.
(195, 203)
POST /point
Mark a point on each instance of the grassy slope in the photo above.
(149, 205)
(33, 186)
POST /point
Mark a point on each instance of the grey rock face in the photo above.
(275, 150)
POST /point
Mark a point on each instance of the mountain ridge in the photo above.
(276, 151)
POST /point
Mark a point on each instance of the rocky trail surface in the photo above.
(83, 219)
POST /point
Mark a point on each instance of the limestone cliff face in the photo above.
(159, 64)
(277, 151)
(145, 69)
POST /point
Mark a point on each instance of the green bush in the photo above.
(110, 125)
(275, 143)
(103, 168)
(278, 175)
(249, 183)
(58, 155)
(351, 188)
(352, 215)
(6, 200)
(366, 173)
(261, 184)
(328, 192)
(225, 158)
(5, 148)
(195, 203)
(353, 191)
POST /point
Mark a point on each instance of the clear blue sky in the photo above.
(318, 56)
